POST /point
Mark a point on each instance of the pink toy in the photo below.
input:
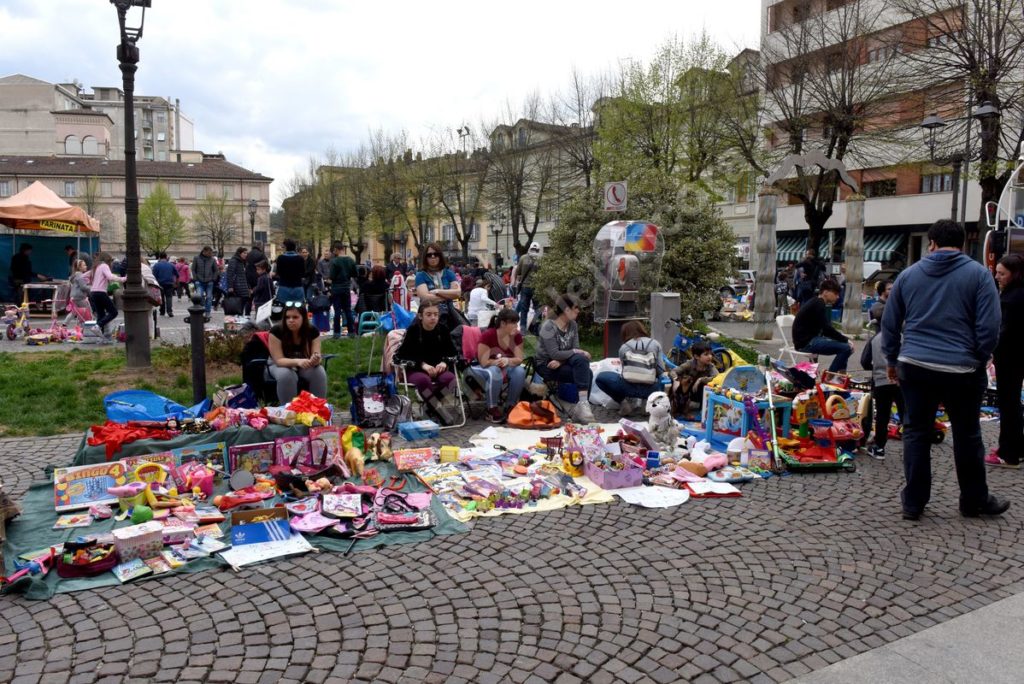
(127, 491)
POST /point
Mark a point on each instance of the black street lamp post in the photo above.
(136, 308)
(957, 159)
(252, 221)
(497, 232)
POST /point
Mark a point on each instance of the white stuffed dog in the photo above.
(660, 423)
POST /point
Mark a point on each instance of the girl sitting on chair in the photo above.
(427, 352)
(295, 353)
(500, 355)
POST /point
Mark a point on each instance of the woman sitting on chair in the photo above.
(560, 358)
(428, 353)
(295, 353)
(500, 355)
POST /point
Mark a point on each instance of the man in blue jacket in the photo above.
(941, 324)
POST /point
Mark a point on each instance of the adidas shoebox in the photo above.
(272, 525)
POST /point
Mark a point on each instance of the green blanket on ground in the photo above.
(33, 529)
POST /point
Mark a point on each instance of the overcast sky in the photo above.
(271, 82)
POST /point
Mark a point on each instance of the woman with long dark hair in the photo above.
(1009, 363)
(295, 353)
(100, 278)
(429, 355)
(559, 357)
(437, 284)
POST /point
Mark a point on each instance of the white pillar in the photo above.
(765, 248)
(853, 318)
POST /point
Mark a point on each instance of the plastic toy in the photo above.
(660, 424)
(355, 461)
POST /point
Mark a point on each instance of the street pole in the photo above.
(252, 222)
(136, 308)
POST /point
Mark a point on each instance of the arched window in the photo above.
(72, 146)
(89, 145)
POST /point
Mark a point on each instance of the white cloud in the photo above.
(272, 82)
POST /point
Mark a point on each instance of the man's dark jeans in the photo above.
(341, 301)
(960, 394)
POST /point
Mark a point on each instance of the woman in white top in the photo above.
(479, 301)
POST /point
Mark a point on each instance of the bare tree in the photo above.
(216, 221)
(821, 94)
(356, 184)
(457, 175)
(420, 206)
(969, 52)
(386, 186)
(573, 109)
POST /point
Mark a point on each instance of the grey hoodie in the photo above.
(943, 310)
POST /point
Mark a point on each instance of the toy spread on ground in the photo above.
(240, 486)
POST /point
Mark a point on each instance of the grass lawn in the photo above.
(58, 392)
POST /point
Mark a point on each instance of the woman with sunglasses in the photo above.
(560, 358)
(427, 351)
(295, 353)
(437, 284)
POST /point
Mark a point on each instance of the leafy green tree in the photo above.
(160, 222)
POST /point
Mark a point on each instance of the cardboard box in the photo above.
(419, 429)
(630, 476)
(272, 526)
(139, 541)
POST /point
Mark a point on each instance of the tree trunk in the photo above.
(853, 318)
(766, 251)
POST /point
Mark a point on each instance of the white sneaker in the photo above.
(628, 406)
(581, 413)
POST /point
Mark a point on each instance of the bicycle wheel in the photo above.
(11, 332)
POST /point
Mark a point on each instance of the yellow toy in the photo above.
(449, 454)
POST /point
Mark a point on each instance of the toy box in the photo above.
(629, 476)
(259, 525)
(139, 541)
(419, 429)
(407, 460)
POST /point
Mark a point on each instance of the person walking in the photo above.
(100, 278)
(236, 281)
(343, 269)
(167, 278)
(1009, 363)
(264, 290)
(813, 331)
(309, 276)
(808, 273)
(323, 271)
(941, 324)
(526, 267)
(289, 271)
(184, 276)
(204, 274)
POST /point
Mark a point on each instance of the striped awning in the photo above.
(882, 246)
(791, 248)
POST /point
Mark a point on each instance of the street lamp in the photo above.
(959, 158)
(252, 221)
(136, 308)
(497, 231)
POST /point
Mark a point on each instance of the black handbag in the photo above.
(233, 305)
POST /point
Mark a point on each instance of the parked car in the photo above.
(740, 285)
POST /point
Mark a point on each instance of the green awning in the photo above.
(791, 248)
(881, 247)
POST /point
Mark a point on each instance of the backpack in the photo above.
(866, 360)
(397, 409)
(640, 367)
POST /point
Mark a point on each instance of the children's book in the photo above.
(133, 569)
(288, 450)
(158, 564)
(82, 486)
(256, 458)
(326, 438)
(187, 515)
(65, 522)
(174, 558)
(209, 514)
(342, 505)
(204, 453)
(164, 458)
(211, 530)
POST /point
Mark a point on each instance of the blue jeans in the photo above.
(290, 294)
(960, 393)
(523, 307)
(493, 381)
(205, 290)
(341, 300)
(573, 376)
(826, 346)
(618, 389)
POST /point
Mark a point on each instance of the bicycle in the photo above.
(16, 318)
(682, 347)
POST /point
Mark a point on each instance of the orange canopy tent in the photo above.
(38, 208)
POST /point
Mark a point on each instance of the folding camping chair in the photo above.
(256, 373)
(388, 366)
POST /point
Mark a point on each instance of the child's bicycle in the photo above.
(681, 352)
(16, 320)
